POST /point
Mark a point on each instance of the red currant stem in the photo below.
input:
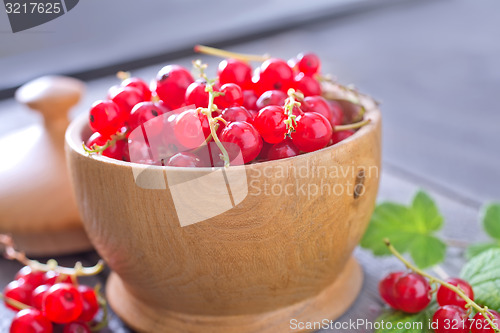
(351, 126)
(290, 104)
(469, 302)
(227, 54)
(222, 120)
(95, 149)
(12, 302)
(211, 108)
(104, 306)
(123, 75)
(79, 270)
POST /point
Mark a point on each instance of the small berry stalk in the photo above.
(469, 302)
(291, 103)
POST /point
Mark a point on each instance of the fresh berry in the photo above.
(171, 84)
(30, 321)
(338, 112)
(479, 324)
(386, 288)
(235, 71)
(312, 132)
(271, 97)
(140, 85)
(118, 151)
(184, 159)
(273, 74)
(412, 293)
(90, 305)
(96, 139)
(246, 137)
(30, 276)
(196, 94)
(306, 84)
(446, 296)
(18, 291)
(341, 136)
(250, 100)
(145, 111)
(270, 124)
(232, 96)
(319, 105)
(284, 149)
(188, 129)
(53, 277)
(237, 113)
(451, 319)
(63, 303)
(104, 117)
(126, 98)
(38, 295)
(76, 327)
(308, 63)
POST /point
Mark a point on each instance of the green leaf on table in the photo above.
(483, 274)
(409, 228)
(414, 323)
(491, 220)
(475, 249)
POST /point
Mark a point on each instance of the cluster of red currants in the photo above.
(412, 293)
(42, 299)
(258, 112)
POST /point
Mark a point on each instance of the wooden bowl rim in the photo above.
(79, 125)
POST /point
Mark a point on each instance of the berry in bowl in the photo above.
(230, 204)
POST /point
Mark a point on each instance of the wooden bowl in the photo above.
(184, 262)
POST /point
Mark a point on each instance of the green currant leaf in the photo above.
(408, 323)
(483, 274)
(491, 219)
(410, 229)
(475, 249)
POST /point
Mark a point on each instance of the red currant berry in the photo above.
(270, 124)
(30, 276)
(250, 100)
(235, 71)
(118, 151)
(188, 129)
(340, 136)
(18, 291)
(308, 63)
(271, 97)
(140, 85)
(283, 149)
(38, 295)
(90, 306)
(104, 117)
(233, 96)
(196, 94)
(171, 84)
(53, 277)
(245, 136)
(63, 303)
(320, 105)
(76, 327)
(451, 319)
(412, 293)
(273, 74)
(338, 113)
(96, 139)
(481, 325)
(30, 321)
(386, 289)
(145, 111)
(308, 85)
(184, 159)
(447, 297)
(237, 113)
(313, 132)
(140, 152)
(126, 98)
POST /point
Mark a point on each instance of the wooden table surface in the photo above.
(435, 66)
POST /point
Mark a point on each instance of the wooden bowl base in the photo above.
(331, 303)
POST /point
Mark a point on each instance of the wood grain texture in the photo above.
(266, 253)
(37, 205)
